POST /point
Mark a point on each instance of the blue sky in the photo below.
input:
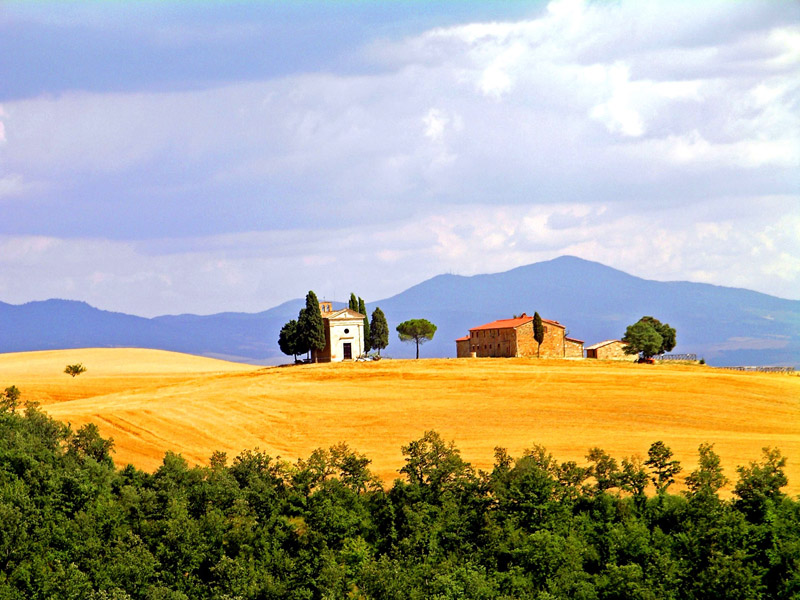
(166, 157)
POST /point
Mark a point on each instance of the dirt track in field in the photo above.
(151, 401)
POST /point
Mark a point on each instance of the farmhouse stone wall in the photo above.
(573, 348)
(526, 345)
(553, 344)
(463, 348)
(493, 342)
(518, 340)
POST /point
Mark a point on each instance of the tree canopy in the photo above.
(314, 327)
(418, 331)
(305, 334)
(288, 339)
(72, 525)
(378, 331)
(649, 337)
(9, 399)
(310, 324)
(663, 468)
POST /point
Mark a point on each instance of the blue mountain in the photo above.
(726, 326)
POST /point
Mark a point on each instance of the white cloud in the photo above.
(435, 122)
(11, 185)
(253, 271)
(636, 134)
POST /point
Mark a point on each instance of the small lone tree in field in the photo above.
(538, 332)
(75, 369)
(378, 331)
(418, 331)
(9, 399)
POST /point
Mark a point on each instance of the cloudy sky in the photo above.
(168, 157)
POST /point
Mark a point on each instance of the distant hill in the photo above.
(726, 326)
(56, 324)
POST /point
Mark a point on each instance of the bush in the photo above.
(74, 370)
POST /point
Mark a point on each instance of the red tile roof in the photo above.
(512, 323)
(463, 339)
(505, 323)
(573, 339)
(556, 323)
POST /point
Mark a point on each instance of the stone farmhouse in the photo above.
(514, 337)
(344, 334)
(608, 350)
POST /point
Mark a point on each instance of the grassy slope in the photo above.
(151, 401)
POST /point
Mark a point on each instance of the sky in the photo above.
(200, 157)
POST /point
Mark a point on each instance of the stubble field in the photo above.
(152, 401)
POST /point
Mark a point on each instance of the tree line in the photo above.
(306, 334)
(72, 525)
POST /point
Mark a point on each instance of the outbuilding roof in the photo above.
(605, 343)
(463, 339)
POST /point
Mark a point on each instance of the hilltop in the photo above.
(150, 402)
(726, 326)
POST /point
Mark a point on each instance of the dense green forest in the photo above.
(74, 526)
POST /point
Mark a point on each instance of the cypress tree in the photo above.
(538, 332)
(313, 327)
(378, 331)
(353, 304)
(300, 338)
(362, 308)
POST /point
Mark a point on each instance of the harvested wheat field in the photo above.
(151, 401)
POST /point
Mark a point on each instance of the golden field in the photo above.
(150, 401)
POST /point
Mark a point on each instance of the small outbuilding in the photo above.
(573, 348)
(608, 350)
(462, 347)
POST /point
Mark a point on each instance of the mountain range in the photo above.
(726, 326)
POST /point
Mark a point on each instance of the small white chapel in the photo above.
(344, 334)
